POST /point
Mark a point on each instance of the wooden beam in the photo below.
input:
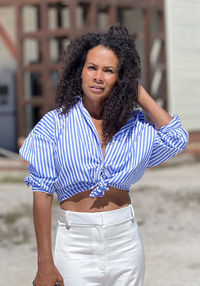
(28, 2)
(58, 33)
(47, 90)
(163, 58)
(147, 45)
(7, 3)
(33, 68)
(34, 101)
(39, 67)
(72, 13)
(21, 122)
(92, 16)
(10, 44)
(112, 16)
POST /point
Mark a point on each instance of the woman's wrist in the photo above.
(45, 258)
(144, 99)
(154, 111)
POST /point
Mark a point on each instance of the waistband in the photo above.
(69, 218)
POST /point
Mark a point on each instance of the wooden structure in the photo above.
(56, 22)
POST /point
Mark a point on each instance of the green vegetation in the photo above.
(11, 179)
(14, 226)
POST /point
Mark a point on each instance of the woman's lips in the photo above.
(97, 89)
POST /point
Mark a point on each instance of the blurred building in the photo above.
(33, 34)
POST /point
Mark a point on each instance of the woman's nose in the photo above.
(98, 76)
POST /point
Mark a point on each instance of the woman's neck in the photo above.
(94, 108)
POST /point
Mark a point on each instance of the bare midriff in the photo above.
(112, 200)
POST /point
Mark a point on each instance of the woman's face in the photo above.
(99, 74)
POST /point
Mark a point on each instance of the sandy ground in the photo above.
(167, 207)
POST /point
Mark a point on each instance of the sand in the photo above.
(167, 207)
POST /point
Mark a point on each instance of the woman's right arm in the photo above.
(47, 273)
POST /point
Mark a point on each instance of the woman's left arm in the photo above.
(155, 112)
(170, 138)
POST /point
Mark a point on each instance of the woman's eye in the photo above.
(109, 71)
(91, 67)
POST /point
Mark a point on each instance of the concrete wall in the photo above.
(7, 18)
(183, 60)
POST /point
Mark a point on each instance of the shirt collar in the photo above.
(130, 123)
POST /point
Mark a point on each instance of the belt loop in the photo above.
(68, 225)
(132, 212)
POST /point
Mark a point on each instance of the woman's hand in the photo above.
(154, 111)
(48, 275)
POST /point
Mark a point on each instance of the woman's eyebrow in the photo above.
(107, 66)
(90, 63)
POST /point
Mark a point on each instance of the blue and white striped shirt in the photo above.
(66, 157)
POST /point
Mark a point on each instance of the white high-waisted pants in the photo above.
(99, 249)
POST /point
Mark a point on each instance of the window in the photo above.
(4, 94)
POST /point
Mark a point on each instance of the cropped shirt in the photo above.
(66, 157)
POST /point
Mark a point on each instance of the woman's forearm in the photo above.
(47, 273)
(42, 220)
(154, 111)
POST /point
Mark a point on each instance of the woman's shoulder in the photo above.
(139, 117)
(52, 123)
(49, 125)
(140, 122)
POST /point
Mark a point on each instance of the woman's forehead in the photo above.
(103, 55)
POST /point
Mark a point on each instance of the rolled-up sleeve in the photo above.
(39, 150)
(170, 140)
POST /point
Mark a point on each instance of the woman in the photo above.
(89, 151)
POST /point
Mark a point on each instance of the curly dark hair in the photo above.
(121, 104)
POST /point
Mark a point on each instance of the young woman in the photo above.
(89, 151)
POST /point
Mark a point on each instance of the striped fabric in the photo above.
(66, 157)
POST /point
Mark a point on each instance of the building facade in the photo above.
(34, 33)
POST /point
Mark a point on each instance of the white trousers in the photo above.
(99, 249)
